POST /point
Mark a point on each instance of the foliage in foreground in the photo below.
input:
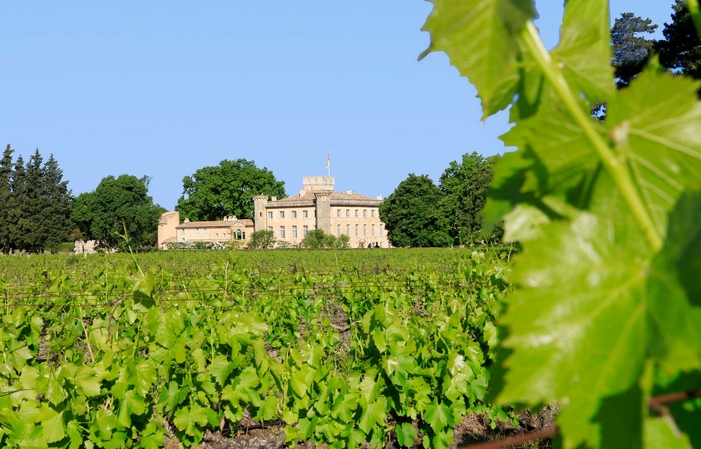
(606, 308)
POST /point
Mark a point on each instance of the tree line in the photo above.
(420, 213)
(38, 211)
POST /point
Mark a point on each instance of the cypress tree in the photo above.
(57, 205)
(15, 202)
(5, 190)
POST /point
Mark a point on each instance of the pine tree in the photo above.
(631, 51)
(680, 50)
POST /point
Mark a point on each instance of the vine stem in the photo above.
(615, 165)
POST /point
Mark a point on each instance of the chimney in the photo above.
(379, 197)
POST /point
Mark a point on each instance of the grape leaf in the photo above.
(188, 419)
(479, 37)
(438, 416)
(661, 433)
(584, 50)
(406, 434)
(373, 415)
(654, 125)
(570, 284)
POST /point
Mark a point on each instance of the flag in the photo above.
(328, 160)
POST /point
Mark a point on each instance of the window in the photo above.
(338, 212)
(347, 212)
(365, 230)
(373, 230)
(356, 230)
(372, 213)
(270, 214)
(217, 235)
(365, 213)
(294, 232)
(348, 230)
(338, 230)
(381, 229)
(282, 214)
(294, 214)
(305, 229)
(270, 229)
(282, 231)
(356, 212)
(305, 214)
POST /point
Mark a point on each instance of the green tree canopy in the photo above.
(115, 203)
(317, 239)
(631, 50)
(262, 240)
(465, 185)
(226, 189)
(5, 191)
(411, 215)
(680, 50)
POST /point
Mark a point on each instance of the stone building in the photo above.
(317, 206)
(229, 229)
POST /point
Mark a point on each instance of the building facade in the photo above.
(317, 206)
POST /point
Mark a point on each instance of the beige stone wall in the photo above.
(166, 227)
(365, 224)
(221, 234)
(370, 229)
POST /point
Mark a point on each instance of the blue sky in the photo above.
(163, 88)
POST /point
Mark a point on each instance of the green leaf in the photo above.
(662, 433)
(173, 396)
(131, 404)
(480, 38)
(406, 434)
(52, 426)
(654, 125)
(220, 368)
(106, 422)
(84, 377)
(584, 50)
(143, 284)
(374, 414)
(189, 419)
(344, 408)
(55, 392)
(438, 416)
(559, 325)
(268, 410)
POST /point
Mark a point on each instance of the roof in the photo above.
(216, 224)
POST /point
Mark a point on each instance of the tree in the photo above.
(117, 203)
(680, 50)
(215, 192)
(262, 240)
(411, 216)
(15, 204)
(57, 206)
(318, 239)
(461, 207)
(5, 191)
(631, 51)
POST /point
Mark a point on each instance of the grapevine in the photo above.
(605, 310)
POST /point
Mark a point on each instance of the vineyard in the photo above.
(337, 347)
